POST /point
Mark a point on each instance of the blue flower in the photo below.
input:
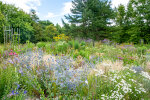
(25, 92)
(18, 86)
(20, 71)
(10, 61)
(17, 93)
(13, 92)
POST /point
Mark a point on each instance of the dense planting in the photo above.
(64, 70)
(102, 53)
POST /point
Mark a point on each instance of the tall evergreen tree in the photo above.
(91, 17)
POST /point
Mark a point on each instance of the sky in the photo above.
(53, 10)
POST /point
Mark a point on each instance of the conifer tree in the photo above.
(91, 17)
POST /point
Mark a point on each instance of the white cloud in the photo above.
(26, 5)
(116, 3)
(66, 8)
(50, 15)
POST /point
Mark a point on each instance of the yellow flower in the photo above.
(59, 37)
(54, 37)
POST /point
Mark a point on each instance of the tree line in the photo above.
(97, 19)
(94, 19)
(31, 27)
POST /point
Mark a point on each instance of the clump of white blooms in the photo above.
(145, 74)
(124, 84)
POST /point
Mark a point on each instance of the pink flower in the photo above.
(15, 53)
(10, 54)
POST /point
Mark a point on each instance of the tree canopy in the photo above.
(94, 19)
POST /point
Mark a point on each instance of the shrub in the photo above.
(82, 43)
(84, 54)
(141, 50)
(41, 44)
(48, 47)
(29, 45)
(61, 47)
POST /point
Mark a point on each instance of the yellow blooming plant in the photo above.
(61, 37)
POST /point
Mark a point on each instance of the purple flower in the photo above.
(20, 71)
(13, 92)
(120, 58)
(105, 40)
(10, 61)
(25, 92)
(17, 93)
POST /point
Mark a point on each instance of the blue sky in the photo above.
(53, 10)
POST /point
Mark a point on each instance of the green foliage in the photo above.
(50, 32)
(9, 77)
(98, 84)
(29, 45)
(84, 54)
(59, 29)
(45, 23)
(133, 23)
(83, 43)
(61, 47)
(92, 17)
(70, 43)
(41, 44)
(141, 50)
(76, 54)
(76, 45)
(2, 22)
(48, 47)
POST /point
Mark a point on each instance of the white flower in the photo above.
(106, 65)
(98, 72)
(133, 70)
(104, 75)
(113, 80)
(133, 80)
(142, 89)
(86, 82)
(145, 74)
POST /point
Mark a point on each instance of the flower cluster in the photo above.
(61, 37)
(123, 85)
(16, 91)
(12, 53)
(59, 67)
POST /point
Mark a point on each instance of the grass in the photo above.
(73, 70)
